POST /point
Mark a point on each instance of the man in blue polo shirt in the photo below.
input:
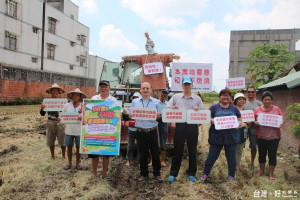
(147, 133)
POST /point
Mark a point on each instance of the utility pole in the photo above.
(43, 34)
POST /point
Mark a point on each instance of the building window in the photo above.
(51, 51)
(12, 8)
(81, 59)
(10, 41)
(52, 25)
(82, 39)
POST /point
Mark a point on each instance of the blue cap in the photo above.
(166, 90)
(187, 79)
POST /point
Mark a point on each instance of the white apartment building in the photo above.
(66, 41)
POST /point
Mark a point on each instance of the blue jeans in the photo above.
(163, 131)
(214, 152)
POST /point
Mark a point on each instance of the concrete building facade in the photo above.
(66, 44)
(243, 42)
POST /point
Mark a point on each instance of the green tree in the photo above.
(268, 62)
(294, 114)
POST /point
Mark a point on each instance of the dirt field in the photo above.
(29, 172)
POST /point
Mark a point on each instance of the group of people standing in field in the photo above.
(146, 132)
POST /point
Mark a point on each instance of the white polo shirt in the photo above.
(98, 97)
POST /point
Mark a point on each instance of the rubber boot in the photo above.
(150, 164)
(163, 158)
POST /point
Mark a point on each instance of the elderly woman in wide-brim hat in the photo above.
(73, 130)
(53, 128)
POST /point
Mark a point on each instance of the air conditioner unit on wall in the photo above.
(77, 58)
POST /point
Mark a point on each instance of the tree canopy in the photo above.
(268, 62)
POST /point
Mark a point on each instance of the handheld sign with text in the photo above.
(200, 73)
(53, 104)
(198, 117)
(269, 120)
(153, 68)
(235, 83)
(144, 113)
(173, 115)
(69, 118)
(247, 116)
(127, 106)
(227, 122)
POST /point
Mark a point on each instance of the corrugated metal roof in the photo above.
(291, 81)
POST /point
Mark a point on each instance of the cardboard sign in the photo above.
(227, 122)
(247, 115)
(101, 125)
(198, 117)
(174, 115)
(235, 83)
(269, 120)
(153, 68)
(69, 118)
(53, 104)
(201, 74)
(128, 107)
(144, 113)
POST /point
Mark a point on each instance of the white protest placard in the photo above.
(174, 115)
(198, 117)
(201, 74)
(247, 115)
(54, 104)
(144, 113)
(128, 107)
(69, 118)
(269, 120)
(227, 122)
(153, 68)
(235, 83)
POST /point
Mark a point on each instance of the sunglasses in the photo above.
(251, 92)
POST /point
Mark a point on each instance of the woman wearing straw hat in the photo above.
(53, 128)
(73, 130)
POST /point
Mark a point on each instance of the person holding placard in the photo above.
(104, 88)
(251, 104)
(73, 130)
(147, 133)
(185, 132)
(267, 137)
(227, 138)
(132, 133)
(239, 101)
(53, 128)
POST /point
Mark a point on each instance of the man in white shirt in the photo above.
(104, 88)
(73, 130)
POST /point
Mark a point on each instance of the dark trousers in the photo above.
(146, 141)
(213, 155)
(270, 147)
(189, 133)
(132, 135)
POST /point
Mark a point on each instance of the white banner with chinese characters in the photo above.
(201, 74)
(174, 115)
(227, 122)
(269, 120)
(54, 104)
(153, 68)
(247, 116)
(128, 107)
(235, 83)
(198, 117)
(144, 113)
(69, 118)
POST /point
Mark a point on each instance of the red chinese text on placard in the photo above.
(174, 115)
(225, 122)
(235, 83)
(153, 68)
(270, 120)
(247, 116)
(143, 114)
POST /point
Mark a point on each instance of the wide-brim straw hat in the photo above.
(57, 87)
(77, 90)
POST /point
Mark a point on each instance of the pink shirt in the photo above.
(267, 132)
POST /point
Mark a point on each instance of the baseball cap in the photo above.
(104, 82)
(187, 79)
(166, 90)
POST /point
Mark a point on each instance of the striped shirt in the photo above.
(185, 103)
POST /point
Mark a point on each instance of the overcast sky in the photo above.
(197, 30)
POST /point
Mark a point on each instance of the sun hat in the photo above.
(238, 95)
(77, 90)
(55, 86)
